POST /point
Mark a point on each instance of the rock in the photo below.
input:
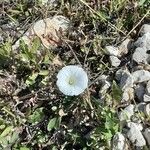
(146, 98)
(143, 41)
(126, 114)
(128, 94)
(124, 47)
(126, 80)
(119, 142)
(141, 76)
(135, 135)
(140, 55)
(141, 107)
(147, 110)
(49, 31)
(115, 62)
(140, 91)
(148, 88)
(147, 135)
(144, 29)
(111, 50)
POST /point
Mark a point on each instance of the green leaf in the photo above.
(6, 131)
(116, 92)
(44, 72)
(31, 79)
(37, 116)
(53, 123)
(35, 45)
(24, 148)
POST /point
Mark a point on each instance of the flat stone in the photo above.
(126, 113)
(135, 135)
(128, 94)
(144, 29)
(148, 88)
(140, 55)
(111, 50)
(143, 41)
(47, 30)
(146, 98)
(147, 109)
(119, 142)
(124, 47)
(140, 91)
(141, 76)
(147, 135)
(115, 61)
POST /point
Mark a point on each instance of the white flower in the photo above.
(72, 80)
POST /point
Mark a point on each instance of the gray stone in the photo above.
(125, 47)
(135, 135)
(115, 62)
(144, 29)
(125, 115)
(147, 135)
(119, 142)
(141, 76)
(111, 50)
(128, 94)
(140, 55)
(140, 91)
(148, 88)
(147, 110)
(141, 107)
(143, 41)
(146, 98)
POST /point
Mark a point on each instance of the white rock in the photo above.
(148, 87)
(119, 142)
(124, 47)
(125, 115)
(147, 135)
(126, 80)
(128, 94)
(144, 29)
(111, 50)
(140, 91)
(48, 30)
(141, 76)
(115, 62)
(146, 98)
(147, 109)
(143, 41)
(140, 55)
(135, 135)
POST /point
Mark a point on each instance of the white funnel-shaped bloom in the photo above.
(72, 80)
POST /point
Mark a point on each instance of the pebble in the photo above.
(148, 88)
(125, 46)
(146, 98)
(144, 29)
(140, 91)
(119, 142)
(143, 41)
(147, 135)
(115, 61)
(140, 55)
(126, 114)
(135, 135)
(147, 109)
(111, 50)
(141, 76)
(128, 94)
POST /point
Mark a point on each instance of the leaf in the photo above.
(35, 45)
(24, 148)
(31, 79)
(6, 131)
(116, 92)
(44, 72)
(53, 123)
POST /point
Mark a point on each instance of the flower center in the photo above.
(71, 80)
